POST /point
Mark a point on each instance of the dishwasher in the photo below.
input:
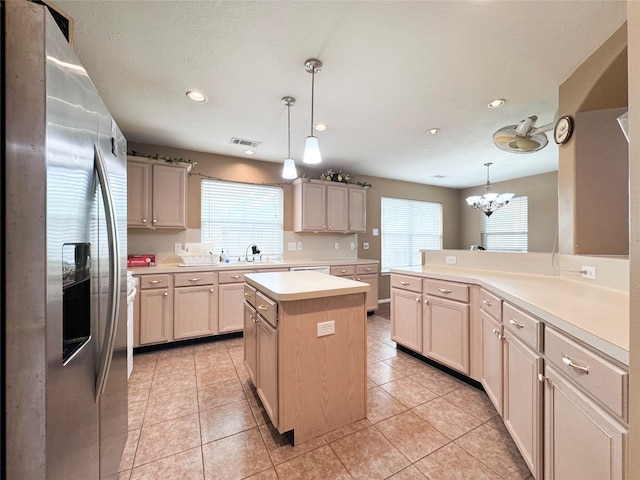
(314, 268)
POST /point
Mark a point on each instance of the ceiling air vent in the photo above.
(244, 142)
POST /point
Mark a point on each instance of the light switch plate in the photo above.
(336, 246)
(299, 245)
(291, 246)
(353, 246)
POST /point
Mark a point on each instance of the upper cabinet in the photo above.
(321, 206)
(156, 194)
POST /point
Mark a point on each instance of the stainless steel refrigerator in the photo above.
(64, 259)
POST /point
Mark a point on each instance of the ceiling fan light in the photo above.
(312, 151)
(289, 170)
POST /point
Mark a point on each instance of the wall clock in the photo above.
(563, 130)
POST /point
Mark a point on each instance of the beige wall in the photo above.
(542, 193)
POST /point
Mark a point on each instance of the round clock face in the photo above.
(563, 129)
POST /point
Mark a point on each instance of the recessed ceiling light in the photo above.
(196, 96)
(433, 131)
(498, 102)
(321, 127)
(249, 152)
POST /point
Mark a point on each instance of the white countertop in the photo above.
(289, 286)
(598, 316)
(176, 268)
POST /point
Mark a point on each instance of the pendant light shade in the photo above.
(289, 171)
(311, 146)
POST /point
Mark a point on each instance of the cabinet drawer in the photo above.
(413, 284)
(343, 270)
(233, 276)
(193, 278)
(599, 377)
(153, 281)
(365, 269)
(491, 304)
(250, 294)
(524, 326)
(450, 290)
(267, 308)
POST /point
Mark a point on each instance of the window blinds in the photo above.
(407, 226)
(507, 229)
(235, 215)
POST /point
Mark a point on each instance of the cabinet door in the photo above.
(491, 378)
(250, 341)
(371, 300)
(267, 380)
(446, 333)
(156, 317)
(137, 194)
(581, 440)
(522, 412)
(337, 208)
(357, 210)
(230, 307)
(169, 196)
(194, 312)
(406, 318)
(313, 207)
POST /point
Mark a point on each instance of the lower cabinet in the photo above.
(582, 441)
(267, 374)
(230, 313)
(445, 334)
(250, 334)
(156, 310)
(366, 273)
(406, 318)
(194, 312)
(492, 359)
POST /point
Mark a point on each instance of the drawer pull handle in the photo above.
(248, 294)
(444, 290)
(516, 324)
(195, 279)
(487, 303)
(367, 269)
(262, 307)
(568, 362)
(155, 282)
(403, 283)
(236, 276)
(343, 271)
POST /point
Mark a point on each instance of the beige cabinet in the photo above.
(366, 273)
(321, 206)
(156, 194)
(250, 343)
(155, 321)
(582, 441)
(406, 311)
(492, 359)
(195, 306)
(267, 368)
(445, 334)
(230, 310)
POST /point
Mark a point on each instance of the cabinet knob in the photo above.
(166, 294)
(541, 377)
(144, 220)
(426, 302)
(358, 278)
(212, 290)
(155, 221)
(417, 299)
(516, 324)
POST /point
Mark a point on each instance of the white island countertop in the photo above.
(596, 315)
(289, 286)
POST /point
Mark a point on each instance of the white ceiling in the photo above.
(391, 71)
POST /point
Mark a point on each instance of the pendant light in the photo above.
(311, 146)
(489, 202)
(289, 169)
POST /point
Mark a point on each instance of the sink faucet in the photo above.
(254, 251)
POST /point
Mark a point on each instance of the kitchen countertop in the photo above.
(596, 315)
(175, 268)
(289, 286)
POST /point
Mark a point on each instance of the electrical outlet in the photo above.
(450, 259)
(299, 245)
(291, 246)
(365, 245)
(589, 272)
(336, 246)
(375, 232)
(326, 328)
(353, 246)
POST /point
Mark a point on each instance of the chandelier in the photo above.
(489, 202)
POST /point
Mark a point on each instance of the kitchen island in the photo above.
(305, 338)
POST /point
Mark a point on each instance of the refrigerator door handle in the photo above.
(106, 352)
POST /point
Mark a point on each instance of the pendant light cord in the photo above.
(313, 77)
(289, 127)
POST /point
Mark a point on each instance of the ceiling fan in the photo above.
(523, 137)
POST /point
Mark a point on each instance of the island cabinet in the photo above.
(309, 343)
(156, 309)
(195, 305)
(321, 206)
(156, 194)
(250, 343)
(492, 351)
(406, 311)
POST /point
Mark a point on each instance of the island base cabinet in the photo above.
(267, 372)
(581, 440)
(492, 360)
(406, 319)
(446, 333)
(522, 408)
(250, 342)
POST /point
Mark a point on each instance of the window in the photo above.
(235, 215)
(507, 229)
(407, 227)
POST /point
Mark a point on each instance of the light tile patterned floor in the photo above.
(194, 415)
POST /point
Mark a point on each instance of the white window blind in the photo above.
(235, 215)
(408, 226)
(507, 229)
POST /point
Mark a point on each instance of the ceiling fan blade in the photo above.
(526, 144)
(502, 138)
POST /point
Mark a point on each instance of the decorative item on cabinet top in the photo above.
(172, 160)
(341, 177)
